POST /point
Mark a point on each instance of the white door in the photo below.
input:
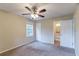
(67, 34)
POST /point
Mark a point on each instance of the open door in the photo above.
(57, 33)
(67, 33)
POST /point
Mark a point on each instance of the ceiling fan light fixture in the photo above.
(34, 16)
(34, 12)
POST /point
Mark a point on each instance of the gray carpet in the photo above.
(40, 49)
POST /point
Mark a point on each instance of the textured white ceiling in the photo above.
(53, 9)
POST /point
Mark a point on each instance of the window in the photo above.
(29, 30)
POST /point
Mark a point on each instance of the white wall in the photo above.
(76, 23)
(38, 31)
(12, 31)
(45, 31)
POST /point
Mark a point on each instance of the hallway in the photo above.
(40, 49)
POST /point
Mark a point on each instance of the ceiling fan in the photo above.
(34, 13)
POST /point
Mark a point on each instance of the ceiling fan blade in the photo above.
(43, 10)
(26, 14)
(28, 8)
(41, 15)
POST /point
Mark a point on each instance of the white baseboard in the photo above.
(11, 48)
(14, 47)
(45, 42)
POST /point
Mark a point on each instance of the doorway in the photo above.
(63, 33)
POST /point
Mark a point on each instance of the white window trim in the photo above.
(27, 30)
